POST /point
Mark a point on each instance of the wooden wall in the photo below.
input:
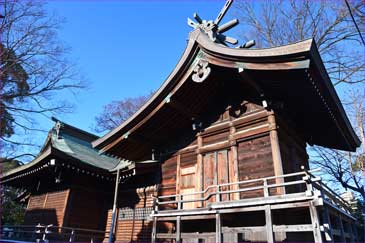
(292, 148)
(86, 209)
(47, 208)
(78, 208)
(127, 230)
(239, 140)
(234, 143)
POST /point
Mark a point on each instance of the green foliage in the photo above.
(12, 212)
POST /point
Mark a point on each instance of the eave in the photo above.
(298, 56)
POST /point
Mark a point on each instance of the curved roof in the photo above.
(69, 142)
(298, 56)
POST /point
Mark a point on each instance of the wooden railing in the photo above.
(51, 233)
(263, 188)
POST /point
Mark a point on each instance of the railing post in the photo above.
(72, 236)
(308, 182)
(178, 220)
(154, 226)
(38, 232)
(269, 227)
(315, 223)
(266, 190)
(218, 194)
(44, 238)
(218, 228)
(327, 223)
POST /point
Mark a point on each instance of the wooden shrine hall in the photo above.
(70, 188)
(218, 154)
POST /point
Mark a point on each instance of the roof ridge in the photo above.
(76, 129)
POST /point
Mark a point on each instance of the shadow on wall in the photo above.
(41, 216)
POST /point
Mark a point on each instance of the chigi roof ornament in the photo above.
(212, 28)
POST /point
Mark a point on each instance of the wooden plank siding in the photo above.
(47, 208)
(127, 230)
(293, 153)
(254, 161)
(81, 203)
(230, 149)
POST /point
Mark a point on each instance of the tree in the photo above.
(12, 212)
(345, 168)
(116, 112)
(273, 23)
(34, 71)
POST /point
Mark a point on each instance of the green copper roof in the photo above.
(83, 151)
(71, 142)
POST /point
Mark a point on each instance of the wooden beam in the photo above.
(154, 224)
(199, 175)
(178, 229)
(218, 228)
(275, 149)
(327, 224)
(293, 228)
(178, 173)
(252, 131)
(234, 177)
(64, 210)
(214, 147)
(226, 157)
(45, 200)
(215, 166)
(269, 227)
(315, 223)
(178, 221)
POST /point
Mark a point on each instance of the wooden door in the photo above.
(187, 184)
(209, 175)
(216, 169)
(223, 172)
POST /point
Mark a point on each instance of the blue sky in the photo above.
(123, 48)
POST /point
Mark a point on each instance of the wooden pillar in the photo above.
(178, 229)
(215, 166)
(327, 224)
(218, 228)
(154, 224)
(343, 238)
(178, 173)
(269, 227)
(114, 212)
(275, 150)
(315, 223)
(178, 221)
(234, 177)
(199, 171)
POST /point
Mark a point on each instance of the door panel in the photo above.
(187, 184)
(216, 168)
(223, 172)
(209, 173)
